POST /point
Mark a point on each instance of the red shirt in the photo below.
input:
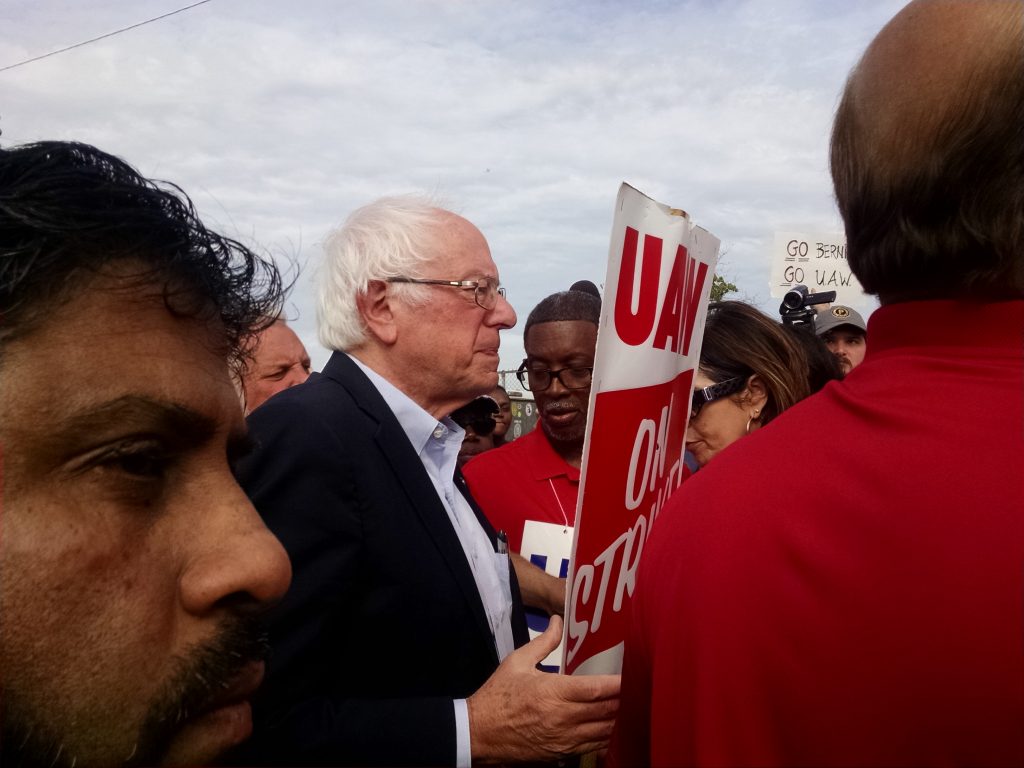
(846, 586)
(524, 480)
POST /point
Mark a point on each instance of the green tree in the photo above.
(719, 287)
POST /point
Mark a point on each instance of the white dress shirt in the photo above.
(437, 444)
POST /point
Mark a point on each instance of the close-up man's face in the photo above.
(131, 563)
(565, 344)
(279, 361)
(848, 344)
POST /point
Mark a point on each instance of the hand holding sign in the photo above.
(521, 714)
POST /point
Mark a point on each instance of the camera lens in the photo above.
(794, 298)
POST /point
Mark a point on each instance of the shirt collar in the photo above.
(946, 323)
(545, 461)
(419, 426)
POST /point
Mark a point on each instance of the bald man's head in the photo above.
(928, 153)
(279, 361)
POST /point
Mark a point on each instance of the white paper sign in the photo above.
(817, 261)
(660, 268)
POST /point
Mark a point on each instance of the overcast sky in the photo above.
(280, 118)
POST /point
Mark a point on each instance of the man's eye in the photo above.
(143, 462)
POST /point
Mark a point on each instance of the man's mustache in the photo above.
(560, 405)
(204, 674)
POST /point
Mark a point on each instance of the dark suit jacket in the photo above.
(383, 624)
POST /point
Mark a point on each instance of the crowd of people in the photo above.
(211, 554)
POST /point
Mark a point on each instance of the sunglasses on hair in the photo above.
(705, 395)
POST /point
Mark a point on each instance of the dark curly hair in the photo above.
(67, 210)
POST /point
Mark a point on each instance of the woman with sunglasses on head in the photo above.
(751, 370)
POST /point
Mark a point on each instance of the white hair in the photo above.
(391, 237)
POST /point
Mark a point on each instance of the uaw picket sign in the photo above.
(660, 268)
(817, 261)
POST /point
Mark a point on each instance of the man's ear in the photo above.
(375, 309)
(757, 393)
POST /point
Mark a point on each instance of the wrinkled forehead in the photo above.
(556, 339)
(461, 251)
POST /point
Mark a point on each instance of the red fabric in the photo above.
(519, 482)
(846, 586)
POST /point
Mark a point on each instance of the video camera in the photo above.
(797, 306)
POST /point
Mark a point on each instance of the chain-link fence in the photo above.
(524, 409)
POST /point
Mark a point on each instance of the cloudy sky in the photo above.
(280, 118)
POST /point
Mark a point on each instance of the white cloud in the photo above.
(279, 119)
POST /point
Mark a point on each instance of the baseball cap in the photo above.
(837, 316)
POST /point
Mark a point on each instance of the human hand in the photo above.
(539, 589)
(522, 714)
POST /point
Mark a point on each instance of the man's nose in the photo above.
(234, 558)
(557, 385)
(502, 315)
(295, 376)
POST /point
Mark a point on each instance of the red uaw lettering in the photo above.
(696, 273)
(670, 324)
(636, 303)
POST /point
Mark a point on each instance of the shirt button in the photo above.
(439, 431)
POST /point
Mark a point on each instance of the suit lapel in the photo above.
(411, 476)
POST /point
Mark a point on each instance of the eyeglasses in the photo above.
(702, 397)
(485, 290)
(537, 380)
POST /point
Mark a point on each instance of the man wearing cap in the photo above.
(845, 334)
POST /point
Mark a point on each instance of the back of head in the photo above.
(68, 210)
(740, 341)
(928, 154)
(565, 306)
(391, 237)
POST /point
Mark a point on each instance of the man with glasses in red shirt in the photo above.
(529, 487)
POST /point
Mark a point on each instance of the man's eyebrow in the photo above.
(180, 424)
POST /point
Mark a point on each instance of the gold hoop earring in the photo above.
(755, 416)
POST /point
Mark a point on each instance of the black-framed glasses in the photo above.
(485, 290)
(702, 397)
(539, 379)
